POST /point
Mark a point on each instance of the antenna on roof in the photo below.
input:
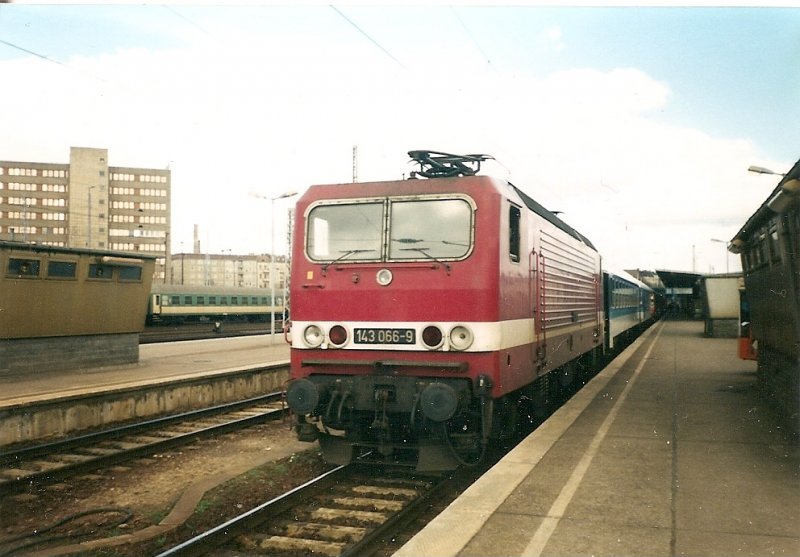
(435, 164)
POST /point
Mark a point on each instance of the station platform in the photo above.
(668, 451)
(157, 363)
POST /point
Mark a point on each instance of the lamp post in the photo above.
(272, 254)
(725, 244)
(762, 170)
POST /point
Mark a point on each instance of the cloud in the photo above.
(552, 37)
(255, 114)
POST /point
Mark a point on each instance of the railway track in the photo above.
(351, 510)
(47, 463)
(205, 330)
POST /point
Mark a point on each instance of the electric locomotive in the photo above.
(428, 313)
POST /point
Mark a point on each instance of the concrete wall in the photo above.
(30, 355)
(722, 328)
(40, 420)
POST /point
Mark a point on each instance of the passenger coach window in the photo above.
(23, 267)
(62, 269)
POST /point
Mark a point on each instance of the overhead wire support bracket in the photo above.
(436, 164)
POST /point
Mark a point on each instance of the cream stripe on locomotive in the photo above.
(413, 336)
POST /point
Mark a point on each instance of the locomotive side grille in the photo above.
(569, 283)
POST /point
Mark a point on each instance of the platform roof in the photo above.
(678, 279)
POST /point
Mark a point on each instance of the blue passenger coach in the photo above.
(629, 308)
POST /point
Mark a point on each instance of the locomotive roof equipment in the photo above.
(435, 164)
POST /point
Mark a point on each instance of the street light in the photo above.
(724, 243)
(762, 170)
(788, 188)
(272, 253)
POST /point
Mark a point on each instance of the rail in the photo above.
(52, 462)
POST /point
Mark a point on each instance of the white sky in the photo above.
(638, 124)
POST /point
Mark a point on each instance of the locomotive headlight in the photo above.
(384, 277)
(313, 336)
(460, 337)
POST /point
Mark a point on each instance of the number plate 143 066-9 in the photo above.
(384, 336)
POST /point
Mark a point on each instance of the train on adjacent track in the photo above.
(178, 304)
(433, 314)
(769, 244)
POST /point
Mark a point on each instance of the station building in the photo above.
(88, 204)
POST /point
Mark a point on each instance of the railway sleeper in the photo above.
(368, 504)
(281, 545)
(395, 492)
(322, 532)
(346, 517)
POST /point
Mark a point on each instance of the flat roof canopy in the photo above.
(678, 279)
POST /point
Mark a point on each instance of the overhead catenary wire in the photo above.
(470, 35)
(373, 41)
(31, 52)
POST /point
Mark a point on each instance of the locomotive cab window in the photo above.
(435, 229)
(393, 229)
(347, 232)
(514, 215)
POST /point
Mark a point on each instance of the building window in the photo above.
(62, 269)
(130, 273)
(103, 272)
(23, 267)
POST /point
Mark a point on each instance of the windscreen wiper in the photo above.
(424, 252)
(345, 254)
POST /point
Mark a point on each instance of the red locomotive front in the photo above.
(414, 315)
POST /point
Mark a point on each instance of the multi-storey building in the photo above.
(87, 204)
(229, 270)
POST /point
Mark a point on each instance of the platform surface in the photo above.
(668, 451)
(157, 362)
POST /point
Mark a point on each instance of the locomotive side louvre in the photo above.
(571, 296)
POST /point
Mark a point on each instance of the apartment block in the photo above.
(254, 271)
(88, 204)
